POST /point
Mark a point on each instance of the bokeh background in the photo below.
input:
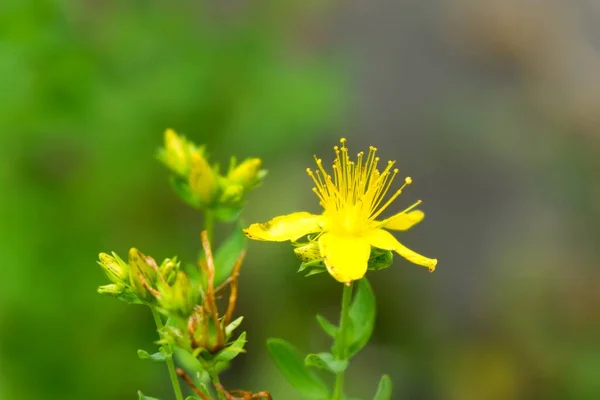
(493, 108)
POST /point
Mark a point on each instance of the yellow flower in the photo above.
(352, 200)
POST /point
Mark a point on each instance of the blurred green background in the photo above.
(492, 107)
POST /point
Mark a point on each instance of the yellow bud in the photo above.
(232, 193)
(143, 273)
(168, 270)
(202, 179)
(114, 289)
(247, 174)
(176, 154)
(116, 269)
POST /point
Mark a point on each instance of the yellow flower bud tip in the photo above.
(247, 173)
(202, 179)
(114, 267)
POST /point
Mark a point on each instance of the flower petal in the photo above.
(386, 241)
(287, 227)
(403, 221)
(345, 256)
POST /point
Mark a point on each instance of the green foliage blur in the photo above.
(491, 107)
(86, 92)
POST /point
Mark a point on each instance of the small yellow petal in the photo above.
(386, 241)
(345, 256)
(287, 227)
(403, 221)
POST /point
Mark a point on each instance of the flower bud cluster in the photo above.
(201, 184)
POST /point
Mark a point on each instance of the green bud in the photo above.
(143, 273)
(184, 297)
(115, 269)
(247, 174)
(113, 289)
(202, 180)
(168, 270)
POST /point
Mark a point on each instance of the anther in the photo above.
(408, 180)
(343, 140)
(396, 171)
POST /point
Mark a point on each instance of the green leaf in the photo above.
(318, 263)
(384, 391)
(158, 357)
(327, 326)
(362, 315)
(293, 369)
(142, 397)
(228, 253)
(326, 361)
(232, 351)
(232, 326)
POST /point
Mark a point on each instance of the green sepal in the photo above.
(182, 189)
(328, 327)
(384, 390)
(291, 365)
(315, 272)
(158, 357)
(231, 351)
(362, 316)
(326, 361)
(380, 259)
(232, 326)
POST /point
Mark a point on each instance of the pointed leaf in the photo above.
(293, 369)
(384, 391)
(327, 326)
(230, 352)
(142, 397)
(362, 315)
(326, 361)
(228, 253)
(232, 326)
(158, 357)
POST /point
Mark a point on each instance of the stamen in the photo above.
(417, 203)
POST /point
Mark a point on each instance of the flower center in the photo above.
(355, 195)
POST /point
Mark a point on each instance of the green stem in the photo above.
(209, 222)
(170, 363)
(341, 339)
(214, 377)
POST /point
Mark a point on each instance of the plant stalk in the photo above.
(342, 339)
(214, 377)
(170, 363)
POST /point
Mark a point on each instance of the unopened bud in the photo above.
(115, 269)
(143, 273)
(168, 270)
(114, 289)
(176, 153)
(202, 179)
(248, 173)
